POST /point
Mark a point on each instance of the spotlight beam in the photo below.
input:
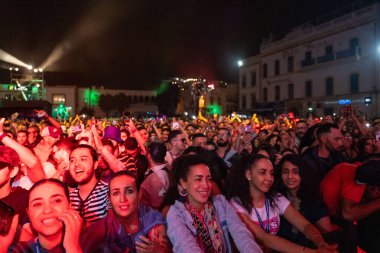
(6, 57)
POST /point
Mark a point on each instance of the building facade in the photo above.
(74, 99)
(320, 66)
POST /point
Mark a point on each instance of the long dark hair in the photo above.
(238, 186)
(180, 170)
(309, 188)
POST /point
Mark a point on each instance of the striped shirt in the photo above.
(95, 206)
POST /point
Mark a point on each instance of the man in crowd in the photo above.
(224, 150)
(344, 196)
(199, 140)
(301, 129)
(177, 144)
(90, 197)
(324, 156)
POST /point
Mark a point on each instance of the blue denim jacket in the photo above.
(183, 234)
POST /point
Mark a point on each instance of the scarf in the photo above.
(208, 230)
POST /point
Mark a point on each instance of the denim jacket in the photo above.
(183, 234)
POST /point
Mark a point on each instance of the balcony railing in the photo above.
(308, 62)
(325, 58)
(330, 57)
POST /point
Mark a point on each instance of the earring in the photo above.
(249, 179)
(183, 193)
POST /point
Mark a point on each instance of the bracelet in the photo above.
(2, 136)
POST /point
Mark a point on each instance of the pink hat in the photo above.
(50, 131)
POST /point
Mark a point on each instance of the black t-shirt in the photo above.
(18, 200)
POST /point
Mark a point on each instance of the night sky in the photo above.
(135, 44)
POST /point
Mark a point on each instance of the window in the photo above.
(59, 99)
(308, 89)
(134, 99)
(290, 91)
(212, 100)
(141, 99)
(329, 50)
(354, 83)
(276, 67)
(354, 43)
(243, 102)
(153, 99)
(243, 81)
(308, 55)
(146, 99)
(329, 86)
(290, 63)
(253, 100)
(265, 70)
(265, 95)
(219, 101)
(277, 93)
(253, 78)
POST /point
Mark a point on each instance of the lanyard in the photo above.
(266, 228)
(37, 247)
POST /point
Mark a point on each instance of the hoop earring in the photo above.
(183, 193)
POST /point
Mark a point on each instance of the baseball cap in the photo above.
(50, 131)
(369, 173)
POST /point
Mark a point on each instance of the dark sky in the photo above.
(135, 44)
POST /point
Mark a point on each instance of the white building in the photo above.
(317, 66)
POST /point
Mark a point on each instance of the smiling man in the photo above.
(90, 197)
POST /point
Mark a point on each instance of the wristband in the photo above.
(2, 136)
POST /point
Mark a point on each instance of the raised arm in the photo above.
(115, 164)
(52, 121)
(35, 171)
(135, 133)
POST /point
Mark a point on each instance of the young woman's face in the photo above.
(260, 175)
(46, 204)
(198, 185)
(123, 195)
(290, 176)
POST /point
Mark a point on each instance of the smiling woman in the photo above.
(57, 225)
(129, 225)
(197, 222)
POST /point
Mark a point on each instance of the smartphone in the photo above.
(6, 215)
(175, 125)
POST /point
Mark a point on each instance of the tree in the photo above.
(167, 99)
(107, 103)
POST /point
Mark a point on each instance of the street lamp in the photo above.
(240, 63)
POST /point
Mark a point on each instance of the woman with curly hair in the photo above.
(260, 207)
(196, 221)
(296, 183)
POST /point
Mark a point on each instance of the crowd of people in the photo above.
(204, 185)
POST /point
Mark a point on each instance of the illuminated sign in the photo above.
(344, 102)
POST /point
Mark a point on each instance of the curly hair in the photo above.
(180, 170)
(238, 187)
